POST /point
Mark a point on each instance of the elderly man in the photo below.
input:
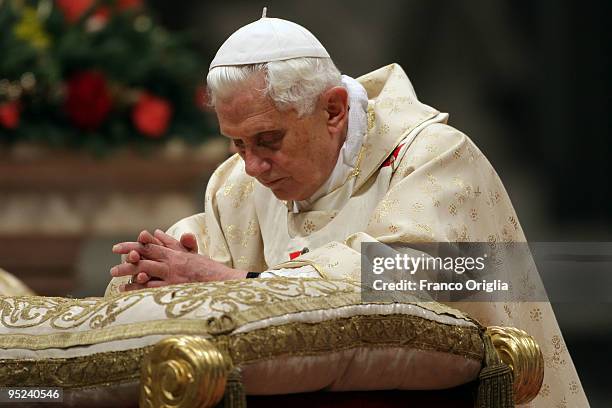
(326, 162)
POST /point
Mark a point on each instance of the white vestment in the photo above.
(436, 187)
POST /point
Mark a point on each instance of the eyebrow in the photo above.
(259, 135)
(276, 132)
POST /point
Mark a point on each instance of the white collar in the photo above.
(347, 158)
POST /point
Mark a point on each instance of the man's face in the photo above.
(291, 156)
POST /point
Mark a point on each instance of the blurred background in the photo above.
(529, 82)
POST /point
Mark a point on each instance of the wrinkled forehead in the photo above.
(237, 97)
(242, 104)
(247, 113)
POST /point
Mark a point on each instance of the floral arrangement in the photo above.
(96, 75)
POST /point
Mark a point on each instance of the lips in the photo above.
(272, 182)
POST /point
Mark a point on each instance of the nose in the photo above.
(255, 165)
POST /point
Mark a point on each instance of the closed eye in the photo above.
(238, 143)
(271, 140)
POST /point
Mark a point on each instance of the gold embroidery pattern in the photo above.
(432, 188)
(309, 226)
(236, 236)
(426, 229)
(357, 331)
(185, 307)
(384, 208)
(383, 130)
(371, 118)
(474, 214)
(293, 339)
(240, 193)
(556, 360)
(465, 192)
(431, 148)
(64, 313)
(242, 262)
(178, 300)
(536, 314)
(425, 234)
(393, 105)
(508, 311)
(363, 152)
(492, 240)
(406, 170)
(507, 233)
(460, 234)
(473, 155)
(219, 251)
(206, 240)
(574, 387)
(92, 370)
(418, 207)
(494, 198)
(242, 295)
(513, 222)
(545, 390)
(527, 287)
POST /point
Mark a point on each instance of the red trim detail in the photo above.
(392, 156)
(293, 255)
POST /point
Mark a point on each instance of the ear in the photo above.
(335, 103)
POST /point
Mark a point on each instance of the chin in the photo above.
(284, 195)
(288, 190)
(287, 195)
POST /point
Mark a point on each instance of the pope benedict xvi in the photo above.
(325, 163)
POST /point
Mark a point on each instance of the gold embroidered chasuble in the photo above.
(436, 187)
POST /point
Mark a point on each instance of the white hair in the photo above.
(291, 84)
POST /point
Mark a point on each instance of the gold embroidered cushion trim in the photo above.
(294, 339)
(272, 329)
(38, 323)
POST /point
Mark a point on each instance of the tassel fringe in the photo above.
(495, 388)
(234, 396)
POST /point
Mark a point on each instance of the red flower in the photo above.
(9, 115)
(102, 14)
(74, 9)
(151, 115)
(129, 4)
(88, 102)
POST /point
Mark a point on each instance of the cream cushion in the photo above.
(286, 336)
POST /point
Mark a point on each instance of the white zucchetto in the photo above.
(268, 39)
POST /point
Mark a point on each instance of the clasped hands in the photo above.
(158, 259)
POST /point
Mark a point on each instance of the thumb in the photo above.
(167, 240)
(190, 242)
(145, 237)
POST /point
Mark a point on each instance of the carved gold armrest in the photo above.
(520, 351)
(181, 372)
(189, 371)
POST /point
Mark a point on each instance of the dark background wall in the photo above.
(529, 82)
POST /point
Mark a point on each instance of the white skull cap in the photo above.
(268, 39)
